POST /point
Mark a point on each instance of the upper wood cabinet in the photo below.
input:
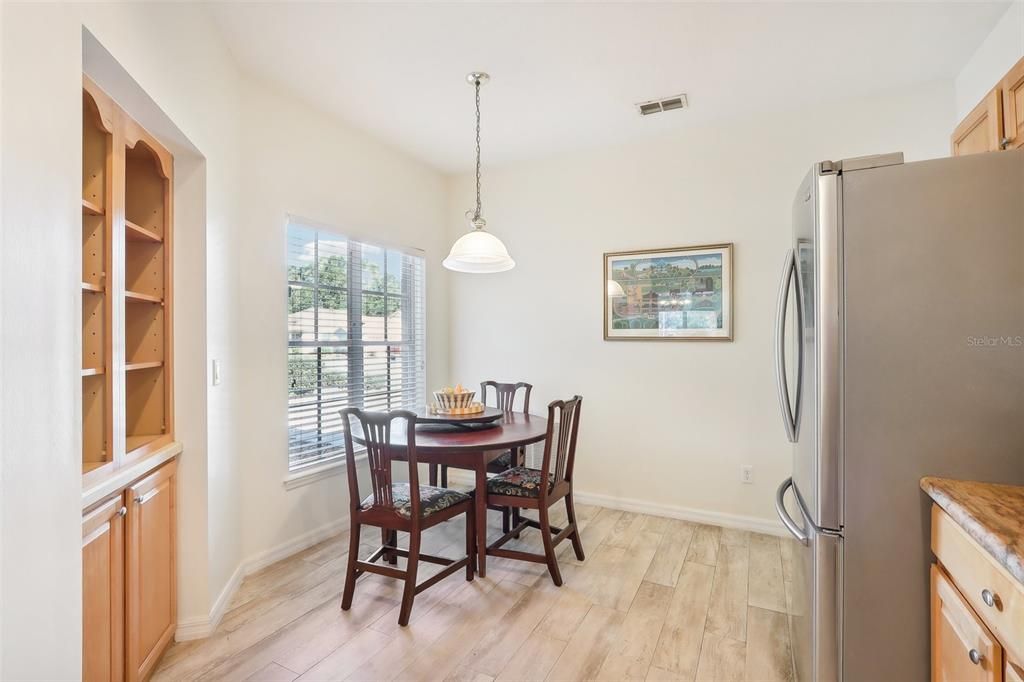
(1013, 106)
(963, 650)
(103, 593)
(998, 120)
(152, 591)
(982, 129)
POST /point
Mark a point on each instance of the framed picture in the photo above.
(669, 294)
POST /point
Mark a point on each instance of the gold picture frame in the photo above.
(672, 294)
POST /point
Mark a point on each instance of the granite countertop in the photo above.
(991, 513)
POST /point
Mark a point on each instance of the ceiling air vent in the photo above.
(656, 106)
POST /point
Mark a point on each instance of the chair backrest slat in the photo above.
(560, 445)
(506, 394)
(374, 430)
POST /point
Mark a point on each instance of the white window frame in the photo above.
(320, 467)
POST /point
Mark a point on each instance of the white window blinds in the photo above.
(356, 336)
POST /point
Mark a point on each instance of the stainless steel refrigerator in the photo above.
(899, 354)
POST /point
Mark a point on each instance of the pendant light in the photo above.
(478, 251)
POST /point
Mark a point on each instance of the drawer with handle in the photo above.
(963, 649)
(990, 590)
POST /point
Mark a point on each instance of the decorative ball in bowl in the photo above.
(448, 400)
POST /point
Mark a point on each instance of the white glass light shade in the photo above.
(478, 251)
(615, 289)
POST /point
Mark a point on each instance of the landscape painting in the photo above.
(683, 293)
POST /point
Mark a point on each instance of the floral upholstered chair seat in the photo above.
(518, 482)
(432, 500)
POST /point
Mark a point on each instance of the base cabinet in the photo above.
(977, 610)
(129, 584)
(103, 592)
(151, 597)
(963, 650)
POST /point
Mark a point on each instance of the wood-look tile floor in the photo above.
(656, 599)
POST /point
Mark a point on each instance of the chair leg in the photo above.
(410, 578)
(389, 538)
(517, 516)
(506, 518)
(470, 544)
(444, 476)
(350, 571)
(570, 513)
(549, 547)
(433, 475)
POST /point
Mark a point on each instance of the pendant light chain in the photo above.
(476, 215)
(477, 251)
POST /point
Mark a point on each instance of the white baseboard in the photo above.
(714, 518)
(201, 627)
(296, 544)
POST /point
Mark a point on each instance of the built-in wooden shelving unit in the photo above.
(127, 406)
(97, 151)
(129, 526)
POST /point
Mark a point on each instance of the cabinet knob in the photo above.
(122, 511)
(1004, 143)
(989, 598)
(975, 656)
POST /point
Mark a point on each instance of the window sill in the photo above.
(317, 472)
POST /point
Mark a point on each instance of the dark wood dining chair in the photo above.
(505, 398)
(397, 506)
(524, 488)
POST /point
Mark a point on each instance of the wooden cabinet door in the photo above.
(1013, 106)
(963, 650)
(982, 129)
(103, 593)
(151, 588)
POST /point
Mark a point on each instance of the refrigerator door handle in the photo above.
(789, 417)
(780, 509)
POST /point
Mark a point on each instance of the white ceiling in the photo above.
(566, 75)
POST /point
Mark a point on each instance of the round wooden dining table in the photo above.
(472, 447)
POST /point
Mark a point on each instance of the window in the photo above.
(356, 336)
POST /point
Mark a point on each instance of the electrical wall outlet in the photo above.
(746, 474)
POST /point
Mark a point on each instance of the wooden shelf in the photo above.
(95, 288)
(91, 466)
(136, 297)
(136, 442)
(92, 371)
(91, 208)
(137, 233)
(143, 365)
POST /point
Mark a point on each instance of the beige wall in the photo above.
(299, 162)
(668, 423)
(40, 391)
